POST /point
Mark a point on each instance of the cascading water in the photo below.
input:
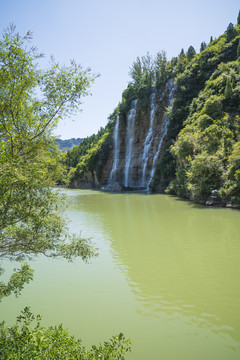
(149, 137)
(129, 141)
(163, 132)
(112, 177)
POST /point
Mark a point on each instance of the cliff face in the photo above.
(137, 146)
(137, 141)
(199, 148)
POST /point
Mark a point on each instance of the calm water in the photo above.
(167, 277)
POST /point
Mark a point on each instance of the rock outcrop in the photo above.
(150, 128)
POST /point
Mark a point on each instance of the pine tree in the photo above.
(231, 32)
(191, 52)
(238, 18)
(203, 46)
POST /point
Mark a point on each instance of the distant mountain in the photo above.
(68, 144)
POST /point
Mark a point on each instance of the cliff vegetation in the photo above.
(202, 146)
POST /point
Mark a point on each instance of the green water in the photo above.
(168, 277)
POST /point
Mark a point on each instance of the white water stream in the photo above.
(129, 141)
(112, 177)
(163, 133)
(149, 137)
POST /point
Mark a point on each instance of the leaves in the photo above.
(28, 341)
(206, 149)
(31, 103)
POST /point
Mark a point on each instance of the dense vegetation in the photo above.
(89, 156)
(73, 156)
(30, 164)
(29, 342)
(204, 123)
(202, 146)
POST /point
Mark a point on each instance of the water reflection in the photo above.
(179, 261)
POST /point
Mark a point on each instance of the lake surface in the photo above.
(168, 277)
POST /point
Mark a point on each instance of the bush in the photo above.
(205, 175)
(28, 342)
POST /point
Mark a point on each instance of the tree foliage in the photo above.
(207, 150)
(28, 341)
(191, 52)
(204, 116)
(191, 79)
(31, 102)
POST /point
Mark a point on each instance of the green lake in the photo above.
(167, 276)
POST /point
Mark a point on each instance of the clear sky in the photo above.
(108, 36)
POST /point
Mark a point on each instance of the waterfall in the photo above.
(112, 176)
(163, 132)
(129, 140)
(149, 137)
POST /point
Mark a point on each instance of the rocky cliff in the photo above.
(137, 140)
(191, 149)
(140, 141)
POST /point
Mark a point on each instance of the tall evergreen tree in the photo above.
(191, 52)
(238, 18)
(203, 46)
(231, 32)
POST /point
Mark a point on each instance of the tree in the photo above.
(238, 18)
(231, 32)
(191, 52)
(203, 46)
(31, 103)
(25, 341)
(29, 223)
(142, 71)
(136, 72)
(161, 68)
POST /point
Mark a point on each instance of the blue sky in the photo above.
(109, 35)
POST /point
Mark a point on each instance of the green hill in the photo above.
(202, 146)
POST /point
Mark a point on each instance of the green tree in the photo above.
(32, 101)
(161, 68)
(231, 32)
(238, 18)
(29, 223)
(136, 72)
(191, 52)
(204, 175)
(203, 46)
(28, 341)
(142, 71)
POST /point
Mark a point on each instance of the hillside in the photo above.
(188, 145)
(68, 144)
